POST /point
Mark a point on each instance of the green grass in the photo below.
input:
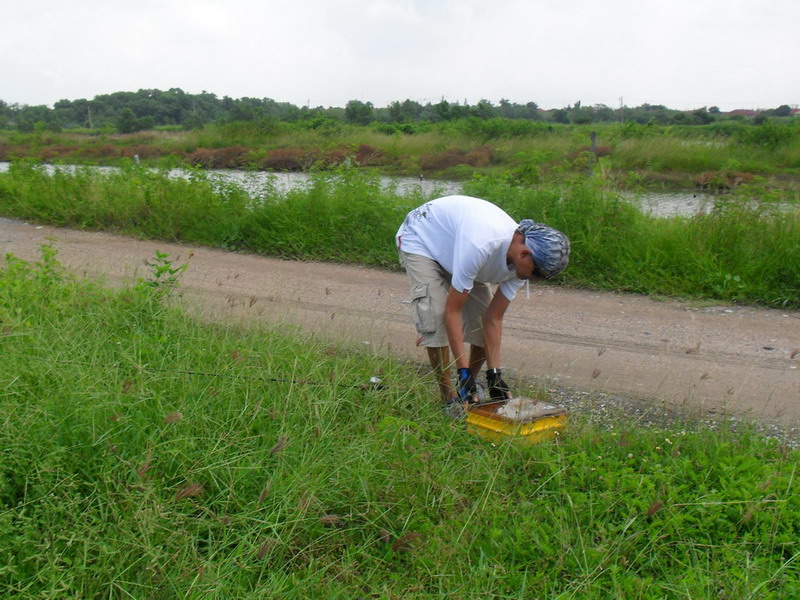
(146, 454)
(744, 251)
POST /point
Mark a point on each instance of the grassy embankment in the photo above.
(741, 252)
(632, 155)
(147, 455)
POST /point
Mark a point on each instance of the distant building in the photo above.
(743, 112)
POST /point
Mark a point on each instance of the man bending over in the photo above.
(453, 249)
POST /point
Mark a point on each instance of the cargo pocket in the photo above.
(422, 309)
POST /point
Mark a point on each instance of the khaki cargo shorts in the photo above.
(430, 284)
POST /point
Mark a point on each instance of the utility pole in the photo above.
(621, 111)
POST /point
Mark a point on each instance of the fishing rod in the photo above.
(373, 383)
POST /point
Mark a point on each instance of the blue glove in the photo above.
(467, 388)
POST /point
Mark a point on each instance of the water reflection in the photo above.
(672, 204)
(254, 182)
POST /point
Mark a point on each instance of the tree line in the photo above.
(128, 112)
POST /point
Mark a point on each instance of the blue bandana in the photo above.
(550, 247)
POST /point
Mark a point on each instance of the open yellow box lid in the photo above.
(525, 419)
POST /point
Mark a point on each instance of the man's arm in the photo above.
(454, 326)
(493, 329)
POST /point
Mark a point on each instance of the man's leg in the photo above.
(440, 361)
(477, 356)
(472, 314)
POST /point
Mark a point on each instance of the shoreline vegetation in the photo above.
(631, 156)
(147, 454)
(745, 250)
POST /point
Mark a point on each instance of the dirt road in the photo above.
(721, 359)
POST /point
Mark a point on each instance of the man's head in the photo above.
(548, 247)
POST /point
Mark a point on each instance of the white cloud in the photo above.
(684, 54)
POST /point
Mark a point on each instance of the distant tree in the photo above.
(580, 115)
(128, 122)
(648, 113)
(442, 111)
(145, 123)
(560, 115)
(153, 107)
(5, 114)
(512, 110)
(408, 110)
(36, 118)
(784, 110)
(246, 109)
(484, 109)
(681, 118)
(701, 116)
(506, 109)
(601, 112)
(193, 121)
(359, 113)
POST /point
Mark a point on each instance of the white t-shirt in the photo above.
(468, 236)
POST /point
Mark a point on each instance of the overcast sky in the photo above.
(684, 54)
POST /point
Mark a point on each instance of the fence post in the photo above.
(592, 152)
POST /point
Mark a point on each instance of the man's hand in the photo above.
(467, 388)
(498, 389)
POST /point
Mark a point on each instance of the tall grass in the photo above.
(658, 155)
(148, 455)
(743, 251)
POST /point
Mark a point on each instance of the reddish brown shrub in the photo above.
(142, 151)
(202, 157)
(479, 157)
(56, 151)
(367, 156)
(102, 151)
(231, 157)
(289, 159)
(337, 156)
(442, 160)
(9, 152)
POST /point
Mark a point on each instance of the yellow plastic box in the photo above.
(526, 421)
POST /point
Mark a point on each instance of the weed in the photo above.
(164, 275)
